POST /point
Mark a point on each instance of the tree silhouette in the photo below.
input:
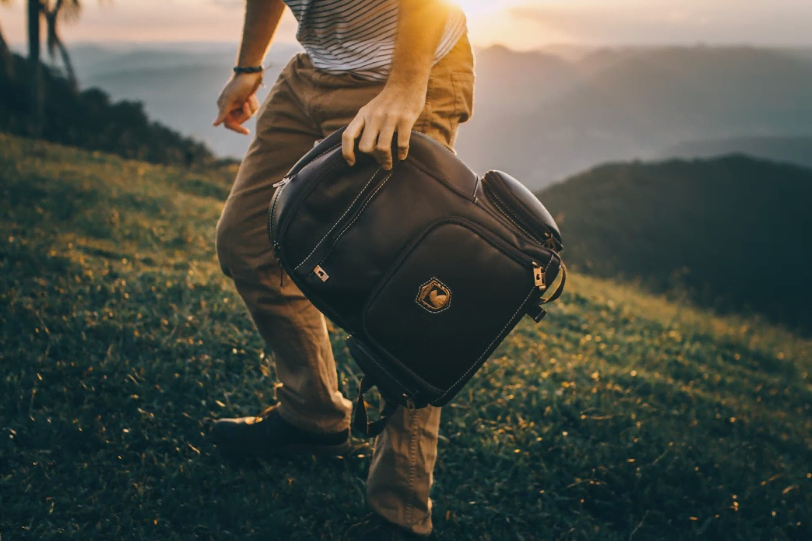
(52, 11)
(36, 88)
(5, 52)
(60, 10)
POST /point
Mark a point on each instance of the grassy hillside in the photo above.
(730, 232)
(797, 150)
(621, 417)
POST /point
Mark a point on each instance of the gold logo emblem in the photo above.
(434, 296)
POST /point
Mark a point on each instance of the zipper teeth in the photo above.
(306, 191)
(271, 215)
(354, 201)
(493, 238)
(500, 207)
(515, 220)
(294, 171)
(355, 217)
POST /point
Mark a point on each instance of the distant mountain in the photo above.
(178, 84)
(542, 115)
(797, 150)
(731, 232)
(506, 79)
(631, 103)
(805, 54)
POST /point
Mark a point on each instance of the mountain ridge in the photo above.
(541, 115)
(727, 232)
(641, 103)
(797, 150)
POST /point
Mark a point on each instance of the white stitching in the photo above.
(358, 215)
(357, 197)
(512, 217)
(507, 214)
(489, 345)
(332, 148)
(413, 442)
(372, 358)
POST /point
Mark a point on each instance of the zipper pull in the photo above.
(538, 276)
(282, 183)
(323, 276)
(550, 242)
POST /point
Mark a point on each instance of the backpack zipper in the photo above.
(279, 186)
(297, 197)
(548, 242)
(345, 225)
(539, 277)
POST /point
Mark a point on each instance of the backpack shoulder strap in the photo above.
(360, 419)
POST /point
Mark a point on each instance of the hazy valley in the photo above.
(541, 115)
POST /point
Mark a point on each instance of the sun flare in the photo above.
(478, 7)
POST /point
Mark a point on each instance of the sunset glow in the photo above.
(520, 24)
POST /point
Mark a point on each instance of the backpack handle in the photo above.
(325, 145)
(560, 289)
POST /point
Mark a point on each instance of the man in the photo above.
(384, 67)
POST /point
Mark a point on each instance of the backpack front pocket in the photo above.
(448, 301)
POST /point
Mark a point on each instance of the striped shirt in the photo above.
(359, 35)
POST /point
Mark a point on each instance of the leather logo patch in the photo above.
(434, 296)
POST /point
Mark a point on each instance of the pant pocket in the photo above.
(449, 102)
(463, 83)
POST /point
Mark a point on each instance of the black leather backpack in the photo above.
(427, 266)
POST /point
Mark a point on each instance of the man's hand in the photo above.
(396, 108)
(238, 101)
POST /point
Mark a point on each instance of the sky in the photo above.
(519, 24)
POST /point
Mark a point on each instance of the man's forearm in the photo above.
(261, 20)
(421, 24)
(420, 28)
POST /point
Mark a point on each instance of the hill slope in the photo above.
(621, 416)
(89, 119)
(733, 231)
(797, 150)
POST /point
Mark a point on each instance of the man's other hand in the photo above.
(238, 101)
(395, 109)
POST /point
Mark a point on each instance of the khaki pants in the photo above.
(306, 105)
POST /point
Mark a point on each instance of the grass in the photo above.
(621, 417)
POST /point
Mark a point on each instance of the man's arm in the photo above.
(397, 107)
(238, 101)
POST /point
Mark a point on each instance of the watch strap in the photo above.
(248, 69)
